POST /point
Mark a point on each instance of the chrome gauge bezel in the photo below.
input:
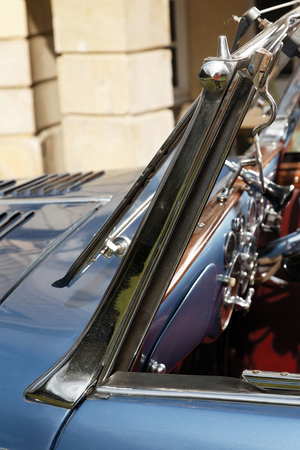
(230, 292)
(260, 211)
(252, 215)
(239, 227)
(229, 252)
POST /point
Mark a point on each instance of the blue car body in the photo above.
(44, 225)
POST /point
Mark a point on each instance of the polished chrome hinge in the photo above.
(273, 380)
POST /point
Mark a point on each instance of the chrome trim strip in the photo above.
(273, 380)
(271, 399)
(60, 200)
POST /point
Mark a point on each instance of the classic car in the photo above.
(159, 310)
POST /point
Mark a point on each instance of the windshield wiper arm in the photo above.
(92, 250)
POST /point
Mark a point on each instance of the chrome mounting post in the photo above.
(264, 61)
(261, 65)
(237, 169)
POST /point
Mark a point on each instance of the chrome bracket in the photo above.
(228, 188)
(118, 247)
(238, 302)
(273, 380)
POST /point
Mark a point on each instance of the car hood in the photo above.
(41, 234)
(37, 215)
(39, 323)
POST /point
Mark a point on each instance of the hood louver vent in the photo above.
(9, 222)
(44, 185)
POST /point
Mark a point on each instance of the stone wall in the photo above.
(84, 84)
(44, 84)
(19, 147)
(114, 80)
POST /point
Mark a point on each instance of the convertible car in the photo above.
(159, 310)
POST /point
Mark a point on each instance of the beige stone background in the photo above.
(87, 84)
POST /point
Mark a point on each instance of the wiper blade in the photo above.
(85, 259)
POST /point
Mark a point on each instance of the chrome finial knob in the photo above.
(155, 367)
(213, 76)
(223, 50)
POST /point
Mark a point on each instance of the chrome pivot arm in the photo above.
(244, 23)
(263, 63)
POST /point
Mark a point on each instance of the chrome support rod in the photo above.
(282, 5)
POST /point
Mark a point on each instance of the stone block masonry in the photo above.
(84, 85)
(115, 80)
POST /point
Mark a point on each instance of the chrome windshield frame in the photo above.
(125, 312)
